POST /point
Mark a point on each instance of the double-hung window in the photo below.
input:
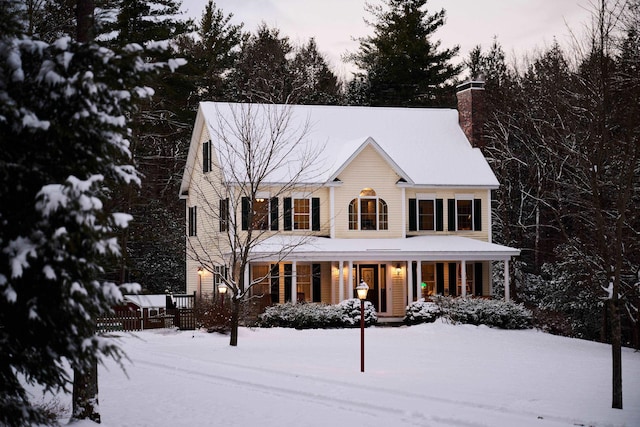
(301, 212)
(465, 213)
(425, 213)
(261, 213)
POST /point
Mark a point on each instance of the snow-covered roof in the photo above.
(426, 146)
(426, 248)
(147, 301)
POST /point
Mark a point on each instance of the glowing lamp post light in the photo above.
(362, 290)
(222, 289)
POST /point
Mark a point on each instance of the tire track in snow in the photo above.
(360, 405)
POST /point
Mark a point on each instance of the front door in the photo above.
(372, 275)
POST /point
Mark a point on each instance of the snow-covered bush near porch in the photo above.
(421, 311)
(301, 316)
(315, 315)
(351, 312)
(478, 311)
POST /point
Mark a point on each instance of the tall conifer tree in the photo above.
(401, 62)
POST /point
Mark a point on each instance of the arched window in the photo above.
(368, 212)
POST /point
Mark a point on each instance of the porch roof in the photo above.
(424, 248)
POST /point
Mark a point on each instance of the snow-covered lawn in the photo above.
(428, 375)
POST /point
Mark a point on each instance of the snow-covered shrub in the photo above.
(421, 311)
(301, 316)
(351, 313)
(478, 311)
(315, 315)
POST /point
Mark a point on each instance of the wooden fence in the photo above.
(120, 320)
(180, 312)
(183, 308)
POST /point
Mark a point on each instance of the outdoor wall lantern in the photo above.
(362, 290)
(398, 269)
(200, 274)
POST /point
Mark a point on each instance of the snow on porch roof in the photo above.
(426, 248)
(425, 143)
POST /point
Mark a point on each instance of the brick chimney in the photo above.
(471, 111)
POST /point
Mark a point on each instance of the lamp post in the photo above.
(362, 290)
(222, 289)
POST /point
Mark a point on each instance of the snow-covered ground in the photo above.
(427, 375)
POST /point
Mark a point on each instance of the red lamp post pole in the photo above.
(361, 335)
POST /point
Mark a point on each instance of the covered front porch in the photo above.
(398, 271)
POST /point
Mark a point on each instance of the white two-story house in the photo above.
(402, 201)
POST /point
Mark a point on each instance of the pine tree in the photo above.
(64, 149)
(401, 62)
(215, 52)
(314, 82)
(262, 72)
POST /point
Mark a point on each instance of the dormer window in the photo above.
(368, 212)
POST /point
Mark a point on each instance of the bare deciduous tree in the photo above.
(260, 153)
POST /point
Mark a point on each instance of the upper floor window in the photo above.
(301, 213)
(368, 212)
(465, 213)
(261, 213)
(425, 213)
(206, 156)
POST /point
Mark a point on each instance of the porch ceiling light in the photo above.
(362, 290)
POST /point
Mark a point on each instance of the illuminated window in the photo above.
(368, 212)
(301, 214)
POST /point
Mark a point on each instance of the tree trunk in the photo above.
(235, 316)
(616, 353)
(85, 393)
(84, 18)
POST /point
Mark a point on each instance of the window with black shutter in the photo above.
(206, 156)
(192, 221)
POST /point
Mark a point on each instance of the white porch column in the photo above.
(463, 278)
(294, 282)
(409, 283)
(340, 281)
(418, 280)
(247, 278)
(507, 295)
(349, 280)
